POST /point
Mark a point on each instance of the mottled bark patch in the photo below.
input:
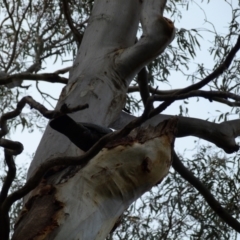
(46, 207)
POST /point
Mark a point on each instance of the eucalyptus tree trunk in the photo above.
(84, 203)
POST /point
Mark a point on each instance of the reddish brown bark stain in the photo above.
(46, 207)
(147, 165)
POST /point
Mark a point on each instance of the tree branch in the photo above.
(83, 135)
(223, 135)
(47, 77)
(158, 33)
(167, 94)
(11, 173)
(212, 202)
(66, 10)
(13, 148)
(210, 95)
(142, 80)
(16, 34)
(226, 102)
(216, 73)
(33, 104)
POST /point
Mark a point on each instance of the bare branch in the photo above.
(217, 72)
(216, 96)
(132, 89)
(78, 37)
(224, 101)
(46, 77)
(83, 135)
(44, 95)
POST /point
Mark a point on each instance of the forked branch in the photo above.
(158, 33)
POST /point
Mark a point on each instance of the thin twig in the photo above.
(16, 37)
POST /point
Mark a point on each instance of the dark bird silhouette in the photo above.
(83, 135)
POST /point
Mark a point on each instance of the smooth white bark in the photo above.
(94, 78)
(85, 203)
(108, 185)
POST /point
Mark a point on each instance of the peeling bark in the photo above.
(106, 186)
(40, 215)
